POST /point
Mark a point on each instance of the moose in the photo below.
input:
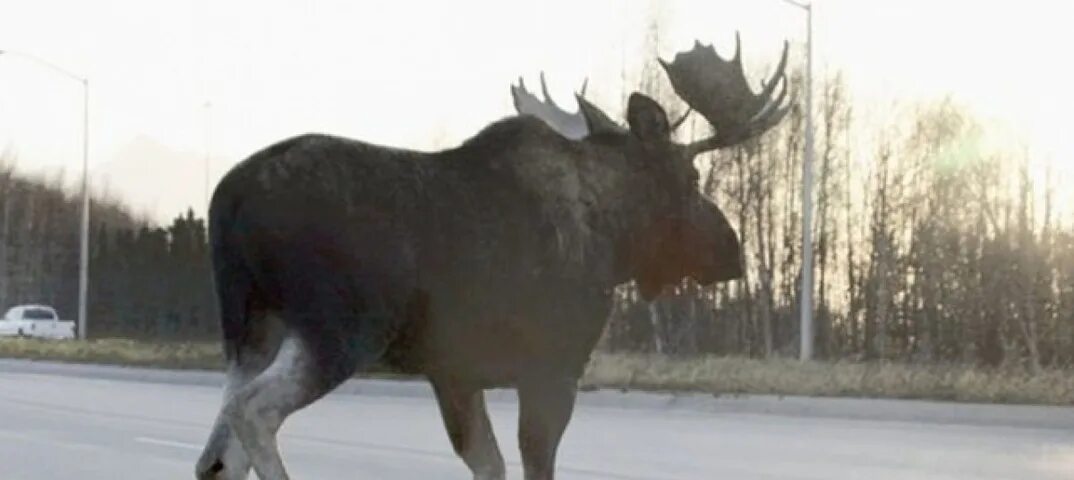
(487, 265)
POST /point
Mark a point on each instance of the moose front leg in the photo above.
(545, 407)
(467, 422)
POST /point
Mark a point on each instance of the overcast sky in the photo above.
(424, 73)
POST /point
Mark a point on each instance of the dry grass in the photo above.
(717, 375)
(730, 375)
(182, 355)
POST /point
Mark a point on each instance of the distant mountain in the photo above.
(155, 179)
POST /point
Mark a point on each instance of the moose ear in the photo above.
(647, 119)
(596, 120)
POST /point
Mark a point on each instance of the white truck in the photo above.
(35, 321)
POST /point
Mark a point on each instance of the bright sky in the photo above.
(424, 73)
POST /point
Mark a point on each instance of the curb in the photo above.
(914, 411)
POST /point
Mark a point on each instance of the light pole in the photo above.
(83, 263)
(806, 350)
(208, 106)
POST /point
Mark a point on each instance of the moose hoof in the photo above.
(213, 471)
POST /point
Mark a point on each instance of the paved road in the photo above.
(60, 427)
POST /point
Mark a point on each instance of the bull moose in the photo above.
(487, 265)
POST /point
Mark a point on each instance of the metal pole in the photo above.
(207, 158)
(807, 202)
(83, 265)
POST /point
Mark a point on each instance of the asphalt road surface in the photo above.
(67, 427)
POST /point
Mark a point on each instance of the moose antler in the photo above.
(570, 125)
(717, 89)
(589, 118)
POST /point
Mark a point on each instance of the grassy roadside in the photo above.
(179, 355)
(730, 375)
(717, 375)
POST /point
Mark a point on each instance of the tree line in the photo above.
(931, 244)
(146, 281)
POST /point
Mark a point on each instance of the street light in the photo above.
(83, 264)
(208, 106)
(806, 351)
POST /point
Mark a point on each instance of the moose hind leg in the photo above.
(223, 457)
(468, 427)
(323, 345)
(306, 367)
(256, 411)
(545, 408)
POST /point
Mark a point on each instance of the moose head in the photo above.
(681, 233)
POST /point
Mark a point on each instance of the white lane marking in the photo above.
(167, 443)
